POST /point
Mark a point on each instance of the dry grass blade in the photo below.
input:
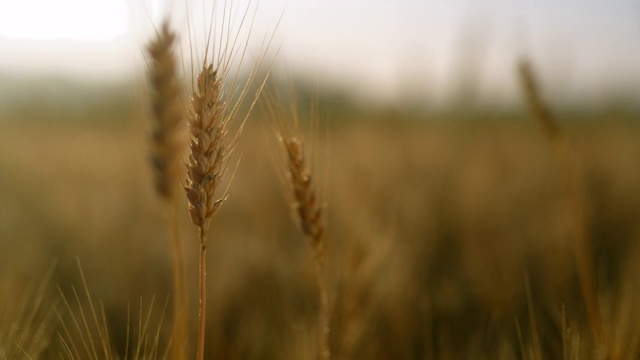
(84, 331)
(168, 145)
(573, 197)
(26, 325)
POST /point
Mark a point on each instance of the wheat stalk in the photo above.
(573, 194)
(209, 152)
(168, 145)
(310, 217)
(302, 194)
(212, 110)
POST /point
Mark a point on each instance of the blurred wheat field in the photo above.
(435, 228)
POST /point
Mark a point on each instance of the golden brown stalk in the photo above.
(311, 221)
(302, 194)
(211, 114)
(573, 192)
(168, 145)
(209, 153)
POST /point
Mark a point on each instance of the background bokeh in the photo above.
(445, 200)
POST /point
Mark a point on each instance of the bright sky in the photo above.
(76, 20)
(381, 48)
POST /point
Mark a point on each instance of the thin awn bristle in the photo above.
(165, 93)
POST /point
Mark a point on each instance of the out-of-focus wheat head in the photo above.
(311, 221)
(167, 140)
(298, 180)
(168, 145)
(538, 107)
(309, 212)
(303, 196)
(574, 198)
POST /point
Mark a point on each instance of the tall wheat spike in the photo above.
(311, 221)
(216, 102)
(209, 154)
(167, 141)
(304, 198)
(168, 145)
(573, 194)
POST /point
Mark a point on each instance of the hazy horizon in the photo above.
(379, 50)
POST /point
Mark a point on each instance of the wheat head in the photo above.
(167, 110)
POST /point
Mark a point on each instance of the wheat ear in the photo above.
(168, 145)
(209, 153)
(310, 217)
(302, 194)
(212, 110)
(165, 96)
(573, 194)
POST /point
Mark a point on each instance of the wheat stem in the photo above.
(311, 220)
(168, 145)
(179, 305)
(325, 325)
(202, 311)
(573, 195)
(209, 154)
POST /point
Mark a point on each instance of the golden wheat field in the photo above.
(434, 234)
(211, 208)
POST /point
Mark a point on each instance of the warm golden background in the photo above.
(446, 203)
